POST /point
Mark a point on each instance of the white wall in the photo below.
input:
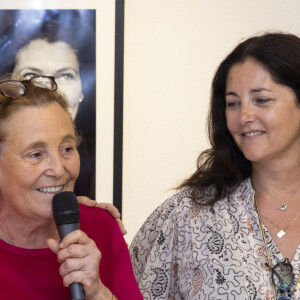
(172, 48)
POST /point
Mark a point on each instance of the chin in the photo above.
(252, 157)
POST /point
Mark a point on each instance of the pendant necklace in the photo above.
(282, 231)
(283, 207)
(282, 272)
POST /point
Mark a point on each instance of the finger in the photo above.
(72, 265)
(75, 276)
(76, 236)
(53, 245)
(81, 277)
(122, 227)
(110, 208)
(107, 206)
(72, 251)
(86, 201)
(79, 251)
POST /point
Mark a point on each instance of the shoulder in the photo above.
(177, 202)
(97, 222)
(185, 211)
(189, 202)
(180, 203)
(100, 214)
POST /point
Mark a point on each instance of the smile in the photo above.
(50, 189)
(253, 133)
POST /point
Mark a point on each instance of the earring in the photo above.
(81, 98)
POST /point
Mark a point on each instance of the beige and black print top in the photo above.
(186, 250)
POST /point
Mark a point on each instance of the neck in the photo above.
(275, 186)
(276, 178)
(24, 233)
(29, 240)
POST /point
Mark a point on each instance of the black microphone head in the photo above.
(65, 208)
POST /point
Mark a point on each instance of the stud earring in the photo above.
(81, 98)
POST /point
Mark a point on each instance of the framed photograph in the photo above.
(81, 45)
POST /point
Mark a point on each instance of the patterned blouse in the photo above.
(186, 250)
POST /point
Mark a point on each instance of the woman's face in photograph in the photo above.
(58, 59)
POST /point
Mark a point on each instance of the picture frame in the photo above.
(118, 111)
(109, 41)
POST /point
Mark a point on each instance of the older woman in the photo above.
(234, 230)
(38, 158)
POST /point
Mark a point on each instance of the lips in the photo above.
(253, 133)
(50, 189)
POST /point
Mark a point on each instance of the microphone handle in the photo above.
(65, 229)
(76, 288)
(77, 291)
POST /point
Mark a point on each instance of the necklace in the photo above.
(267, 252)
(283, 207)
(282, 231)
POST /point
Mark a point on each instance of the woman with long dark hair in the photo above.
(232, 232)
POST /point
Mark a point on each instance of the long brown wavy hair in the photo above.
(224, 166)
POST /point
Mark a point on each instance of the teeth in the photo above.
(50, 189)
(253, 133)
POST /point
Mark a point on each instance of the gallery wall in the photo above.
(172, 48)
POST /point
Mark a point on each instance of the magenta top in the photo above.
(32, 274)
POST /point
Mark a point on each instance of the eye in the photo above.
(35, 155)
(232, 103)
(68, 150)
(262, 100)
(65, 76)
(29, 75)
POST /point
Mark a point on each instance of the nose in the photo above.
(246, 114)
(55, 165)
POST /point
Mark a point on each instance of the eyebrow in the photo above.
(252, 91)
(40, 144)
(31, 69)
(35, 145)
(69, 137)
(259, 90)
(66, 70)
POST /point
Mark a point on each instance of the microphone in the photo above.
(66, 214)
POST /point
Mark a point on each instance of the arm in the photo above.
(123, 279)
(153, 253)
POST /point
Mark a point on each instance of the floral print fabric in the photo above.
(186, 250)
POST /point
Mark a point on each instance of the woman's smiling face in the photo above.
(262, 116)
(38, 159)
